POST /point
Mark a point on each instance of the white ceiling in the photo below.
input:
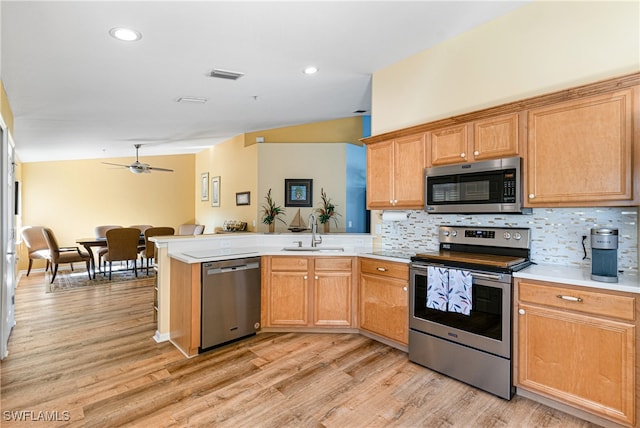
(77, 93)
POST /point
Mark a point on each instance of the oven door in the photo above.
(486, 328)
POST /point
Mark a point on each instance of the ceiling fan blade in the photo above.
(153, 168)
(116, 164)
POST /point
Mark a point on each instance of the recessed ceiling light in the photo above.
(191, 100)
(125, 34)
(310, 70)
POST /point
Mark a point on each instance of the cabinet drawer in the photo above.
(289, 263)
(384, 268)
(333, 264)
(591, 302)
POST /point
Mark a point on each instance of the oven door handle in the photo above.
(495, 277)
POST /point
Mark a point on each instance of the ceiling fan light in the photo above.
(125, 34)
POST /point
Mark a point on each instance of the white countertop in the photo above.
(629, 282)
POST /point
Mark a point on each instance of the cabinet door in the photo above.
(449, 145)
(332, 302)
(580, 151)
(384, 307)
(288, 299)
(333, 292)
(582, 360)
(380, 175)
(496, 137)
(408, 173)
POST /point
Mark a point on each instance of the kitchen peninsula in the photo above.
(204, 248)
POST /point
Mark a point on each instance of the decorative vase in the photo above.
(272, 227)
(326, 227)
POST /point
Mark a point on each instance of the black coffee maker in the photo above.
(604, 254)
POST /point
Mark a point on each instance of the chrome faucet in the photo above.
(314, 230)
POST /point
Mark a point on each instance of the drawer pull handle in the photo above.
(570, 298)
(381, 269)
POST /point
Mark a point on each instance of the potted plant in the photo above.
(327, 211)
(271, 212)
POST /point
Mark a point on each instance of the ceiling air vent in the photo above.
(225, 74)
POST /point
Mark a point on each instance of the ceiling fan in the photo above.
(138, 167)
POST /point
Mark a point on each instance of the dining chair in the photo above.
(59, 255)
(142, 228)
(190, 229)
(149, 250)
(122, 245)
(100, 232)
(36, 245)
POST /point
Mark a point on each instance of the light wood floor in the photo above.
(89, 356)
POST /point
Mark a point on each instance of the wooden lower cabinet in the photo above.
(384, 301)
(578, 346)
(184, 316)
(308, 291)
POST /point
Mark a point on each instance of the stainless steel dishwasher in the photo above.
(230, 301)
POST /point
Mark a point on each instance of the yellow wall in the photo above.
(538, 48)
(5, 108)
(72, 197)
(237, 167)
(346, 130)
(325, 164)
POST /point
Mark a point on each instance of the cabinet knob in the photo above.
(463, 155)
(305, 277)
(521, 311)
(476, 153)
(381, 269)
(404, 288)
(531, 196)
(316, 277)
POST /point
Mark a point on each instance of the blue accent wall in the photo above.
(356, 214)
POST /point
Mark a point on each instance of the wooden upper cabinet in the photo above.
(580, 152)
(491, 138)
(496, 137)
(379, 175)
(449, 145)
(395, 171)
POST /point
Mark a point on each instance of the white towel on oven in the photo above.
(437, 285)
(460, 286)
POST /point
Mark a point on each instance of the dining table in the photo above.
(89, 243)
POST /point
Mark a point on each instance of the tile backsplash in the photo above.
(556, 233)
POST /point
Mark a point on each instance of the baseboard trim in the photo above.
(161, 337)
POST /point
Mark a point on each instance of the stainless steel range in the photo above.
(461, 304)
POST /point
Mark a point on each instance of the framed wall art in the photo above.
(204, 186)
(243, 198)
(298, 192)
(215, 191)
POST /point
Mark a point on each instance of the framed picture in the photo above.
(215, 191)
(298, 192)
(243, 198)
(204, 186)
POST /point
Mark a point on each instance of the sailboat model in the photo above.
(297, 224)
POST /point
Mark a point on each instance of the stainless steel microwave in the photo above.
(493, 186)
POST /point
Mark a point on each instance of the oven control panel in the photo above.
(511, 237)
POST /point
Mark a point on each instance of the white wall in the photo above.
(539, 48)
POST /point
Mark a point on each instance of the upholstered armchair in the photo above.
(59, 255)
(191, 229)
(122, 245)
(36, 245)
(150, 248)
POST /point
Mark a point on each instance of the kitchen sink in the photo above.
(313, 249)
